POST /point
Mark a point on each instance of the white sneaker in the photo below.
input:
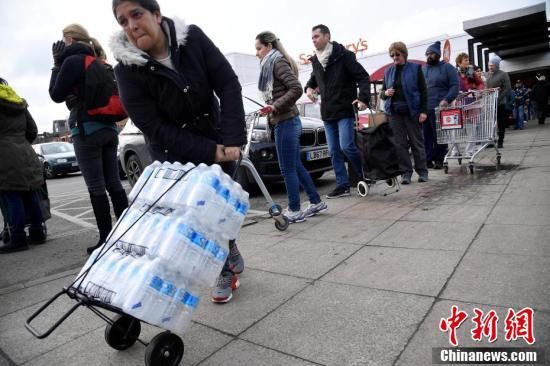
(315, 208)
(294, 216)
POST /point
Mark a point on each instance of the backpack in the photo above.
(101, 99)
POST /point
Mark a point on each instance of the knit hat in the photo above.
(435, 48)
(495, 60)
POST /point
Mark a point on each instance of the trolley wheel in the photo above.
(282, 226)
(471, 168)
(498, 161)
(459, 161)
(390, 182)
(275, 211)
(363, 188)
(446, 169)
(165, 349)
(123, 333)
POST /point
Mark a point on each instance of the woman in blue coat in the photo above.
(406, 97)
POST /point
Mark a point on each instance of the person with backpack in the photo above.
(20, 174)
(82, 80)
(169, 74)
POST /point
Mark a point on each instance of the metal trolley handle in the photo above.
(39, 335)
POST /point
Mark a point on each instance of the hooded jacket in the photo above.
(177, 110)
(338, 82)
(20, 169)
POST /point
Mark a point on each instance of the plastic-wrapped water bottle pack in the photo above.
(170, 242)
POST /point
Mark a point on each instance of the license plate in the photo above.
(317, 154)
(74, 164)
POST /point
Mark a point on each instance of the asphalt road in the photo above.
(69, 197)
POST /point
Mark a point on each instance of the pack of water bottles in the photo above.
(170, 242)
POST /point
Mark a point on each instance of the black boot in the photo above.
(5, 237)
(16, 244)
(102, 213)
(38, 234)
(120, 202)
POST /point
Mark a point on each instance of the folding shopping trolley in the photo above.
(376, 145)
(468, 126)
(275, 210)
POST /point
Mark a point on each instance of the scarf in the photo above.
(9, 95)
(265, 83)
(322, 56)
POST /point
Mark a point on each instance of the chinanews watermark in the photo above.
(518, 328)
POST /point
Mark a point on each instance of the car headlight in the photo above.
(260, 135)
(59, 161)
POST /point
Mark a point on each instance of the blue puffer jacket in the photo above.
(409, 83)
(442, 81)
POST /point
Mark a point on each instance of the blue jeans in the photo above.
(341, 142)
(19, 205)
(519, 115)
(287, 142)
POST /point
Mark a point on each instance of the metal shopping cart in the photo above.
(468, 126)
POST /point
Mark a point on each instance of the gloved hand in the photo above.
(57, 50)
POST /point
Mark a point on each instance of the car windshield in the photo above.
(56, 148)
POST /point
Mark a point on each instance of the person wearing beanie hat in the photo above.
(541, 92)
(435, 48)
(442, 82)
(499, 79)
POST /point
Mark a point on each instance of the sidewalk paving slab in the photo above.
(334, 324)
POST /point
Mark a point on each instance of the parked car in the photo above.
(134, 155)
(57, 158)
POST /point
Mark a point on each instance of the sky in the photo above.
(29, 27)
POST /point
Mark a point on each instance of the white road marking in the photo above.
(83, 213)
(72, 219)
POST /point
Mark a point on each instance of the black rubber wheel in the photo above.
(459, 161)
(498, 161)
(275, 211)
(446, 169)
(134, 168)
(471, 168)
(48, 171)
(282, 226)
(165, 349)
(363, 188)
(123, 333)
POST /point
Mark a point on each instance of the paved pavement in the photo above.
(366, 283)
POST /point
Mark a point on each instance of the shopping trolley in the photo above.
(468, 126)
(275, 210)
(122, 330)
(376, 146)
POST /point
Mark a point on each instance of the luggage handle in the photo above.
(39, 335)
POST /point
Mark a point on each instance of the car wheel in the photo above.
(48, 171)
(121, 173)
(133, 169)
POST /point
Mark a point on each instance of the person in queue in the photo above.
(169, 74)
(280, 89)
(405, 101)
(95, 141)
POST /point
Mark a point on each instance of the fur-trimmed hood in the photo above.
(128, 54)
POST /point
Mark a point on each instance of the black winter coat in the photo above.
(20, 169)
(541, 92)
(339, 82)
(178, 111)
(67, 82)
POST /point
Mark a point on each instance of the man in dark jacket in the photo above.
(540, 94)
(337, 74)
(442, 82)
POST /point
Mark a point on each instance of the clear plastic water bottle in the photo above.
(212, 264)
(187, 305)
(143, 178)
(147, 284)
